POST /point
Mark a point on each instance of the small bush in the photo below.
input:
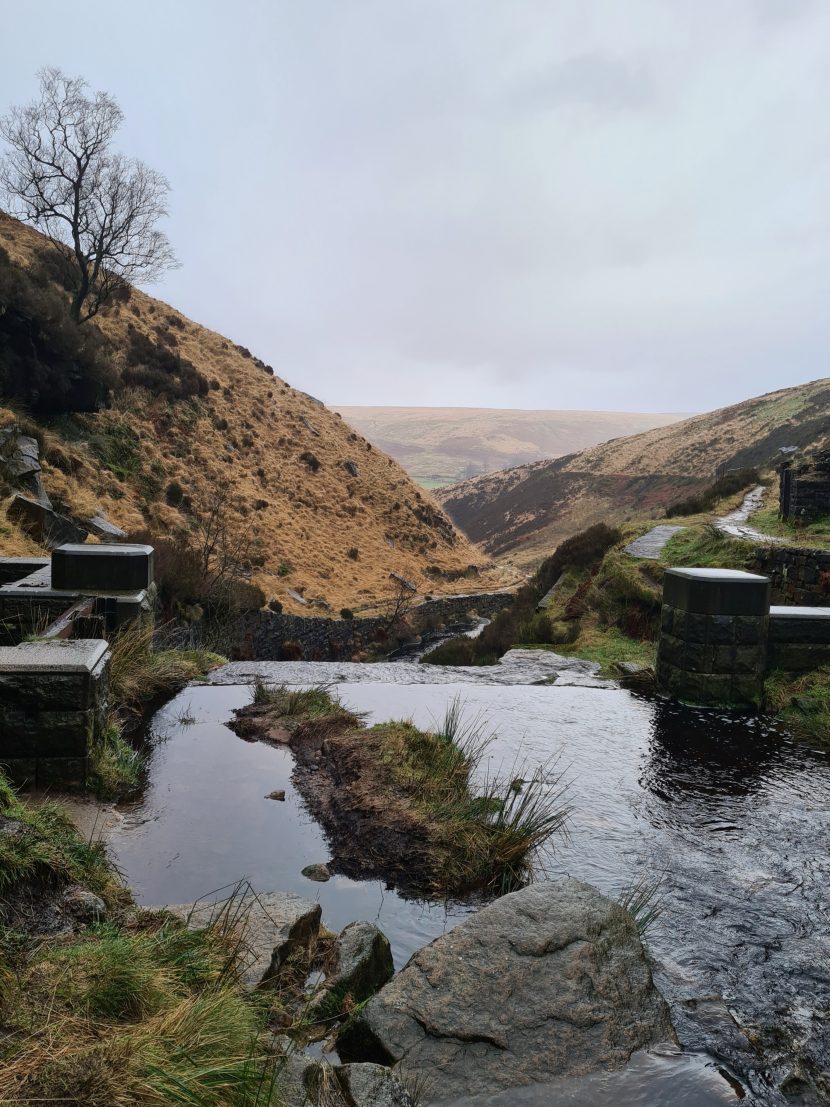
(346, 613)
(727, 485)
(311, 460)
(48, 363)
(174, 493)
(161, 370)
(275, 606)
(353, 553)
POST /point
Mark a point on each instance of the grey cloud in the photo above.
(537, 204)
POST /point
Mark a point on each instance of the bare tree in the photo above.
(98, 208)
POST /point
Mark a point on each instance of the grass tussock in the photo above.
(705, 546)
(140, 673)
(297, 703)
(42, 847)
(140, 1014)
(801, 701)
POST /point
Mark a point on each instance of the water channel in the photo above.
(727, 813)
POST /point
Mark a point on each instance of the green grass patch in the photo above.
(815, 533)
(608, 646)
(298, 703)
(801, 701)
(704, 546)
(45, 848)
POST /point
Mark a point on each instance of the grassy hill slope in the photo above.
(287, 463)
(526, 511)
(442, 445)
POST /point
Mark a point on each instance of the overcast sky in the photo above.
(510, 203)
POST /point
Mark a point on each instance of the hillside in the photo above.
(527, 510)
(192, 415)
(442, 445)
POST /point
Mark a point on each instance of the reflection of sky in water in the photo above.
(729, 816)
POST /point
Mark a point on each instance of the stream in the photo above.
(727, 814)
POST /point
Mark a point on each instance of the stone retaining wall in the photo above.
(799, 575)
(270, 636)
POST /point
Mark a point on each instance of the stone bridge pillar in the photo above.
(713, 638)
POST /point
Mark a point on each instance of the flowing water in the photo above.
(727, 813)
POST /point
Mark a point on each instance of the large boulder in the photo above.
(272, 925)
(552, 980)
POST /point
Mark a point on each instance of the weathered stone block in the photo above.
(716, 591)
(64, 772)
(749, 629)
(722, 629)
(747, 690)
(53, 700)
(717, 688)
(16, 568)
(102, 568)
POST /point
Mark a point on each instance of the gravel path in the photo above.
(735, 526)
(650, 546)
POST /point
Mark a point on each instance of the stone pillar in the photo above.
(713, 638)
(53, 706)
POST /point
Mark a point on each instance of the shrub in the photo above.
(291, 651)
(174, 493)
(311, 460)
(353, 553)
(48, 363)
(727, 485)
(275, 606)
(346, 613)
(161, 370)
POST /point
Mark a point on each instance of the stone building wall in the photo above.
(799, 575)
(804, 491)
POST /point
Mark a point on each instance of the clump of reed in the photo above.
(299, 703)
(487, 832)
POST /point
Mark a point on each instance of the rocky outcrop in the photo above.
(43, 524)
(20, 463)
(552, 980)
(272, 925)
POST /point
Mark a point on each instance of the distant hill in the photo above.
(527, 510)
(191, 411)
(442, 445)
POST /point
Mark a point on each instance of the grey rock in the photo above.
(320, 873)
(309, 427)
(103, 528)
(273, 926)
(407, 584)
(649, 546)
(365, 961)
(552, 980)
(305, 1082)
(83, 905)
(20, 463)
(297, 597)
(350, 468)
(372, 1086)
(43, 524)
